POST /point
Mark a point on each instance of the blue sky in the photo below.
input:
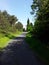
(19, 8)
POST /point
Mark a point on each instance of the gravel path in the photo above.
(19, 53)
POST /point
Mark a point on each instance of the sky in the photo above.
(20, 8)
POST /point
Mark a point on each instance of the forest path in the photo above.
(19, 53)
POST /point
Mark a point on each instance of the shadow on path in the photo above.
(18, 53)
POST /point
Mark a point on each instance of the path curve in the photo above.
(19, 53)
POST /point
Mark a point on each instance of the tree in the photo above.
(41, 26)
(28, 22)
(13, 20)
(4, 24)
(8, 23)
(19, 26)
(24, 29)
(29, 26)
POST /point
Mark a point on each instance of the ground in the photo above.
(18, 53)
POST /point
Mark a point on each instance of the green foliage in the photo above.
(29, 25)
(8, 22)
(41, 25)
(4, 42)
(41, 50)
(5, 25)
(38, 39)
(24, 30)
(5, 38)
(8, 28)
(13, 20)
(28, 22)
(19, 26)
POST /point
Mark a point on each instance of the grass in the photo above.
(41, 50)
(7, 37)
(3, 42)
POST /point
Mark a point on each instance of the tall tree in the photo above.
(7, 22)
(4, 24)
(13, 20)
(41, 26)
(29, 25)
(28, 22)
(19, 26)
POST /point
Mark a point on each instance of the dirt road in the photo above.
(19, 53)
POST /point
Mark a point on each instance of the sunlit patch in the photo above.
(16, 41)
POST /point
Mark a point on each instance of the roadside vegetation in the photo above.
(5, 39)
(9, 28)
(41, 50)
(38, 36)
